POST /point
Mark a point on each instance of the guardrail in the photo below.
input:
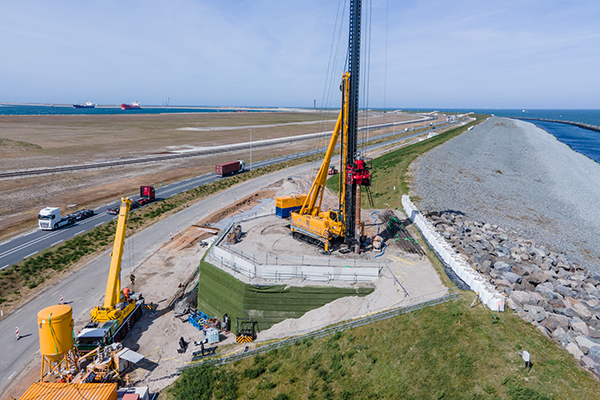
(278, 268)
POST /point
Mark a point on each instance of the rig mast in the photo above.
(352, 138)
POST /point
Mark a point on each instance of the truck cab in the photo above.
(48, 218)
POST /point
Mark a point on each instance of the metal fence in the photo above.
(279, 268)
(451, 295)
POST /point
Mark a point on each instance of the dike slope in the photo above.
(512, 174)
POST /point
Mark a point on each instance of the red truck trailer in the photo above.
(230, 168)
(147, 194)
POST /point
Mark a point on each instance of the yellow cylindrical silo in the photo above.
(55, 325)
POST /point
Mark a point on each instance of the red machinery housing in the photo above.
(359, 172)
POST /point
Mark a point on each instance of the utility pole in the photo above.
(250, 148)
(352, 118)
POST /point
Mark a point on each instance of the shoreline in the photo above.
(578, 124)
(515, 175)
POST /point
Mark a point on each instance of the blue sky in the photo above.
(440, 54)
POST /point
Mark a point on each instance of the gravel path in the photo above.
(521, 178)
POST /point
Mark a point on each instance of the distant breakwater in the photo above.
(579, 124)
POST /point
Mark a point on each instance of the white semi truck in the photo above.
(49, 218)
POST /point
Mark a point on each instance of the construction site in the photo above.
(229, 282)
(282, 257)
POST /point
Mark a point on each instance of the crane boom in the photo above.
(118, 304)
(312, 204)
(113, 286)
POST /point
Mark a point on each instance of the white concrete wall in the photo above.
(477, 282)
(219, 256)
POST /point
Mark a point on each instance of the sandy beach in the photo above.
(521, 178)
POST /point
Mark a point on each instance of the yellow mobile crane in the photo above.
(309, 221)
(121, 308)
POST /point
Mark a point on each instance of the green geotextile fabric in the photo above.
(219, 293)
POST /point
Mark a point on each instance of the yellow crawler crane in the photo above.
(310, 222)
(121, 308)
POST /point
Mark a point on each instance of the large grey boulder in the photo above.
(525, 315)
(510, 303)
(512, 277)
(521, 297)
(565, 291)
(554, 321)
(556, 303)
(567, 311)
(588, 363)
(564, 337)
(594, 354)
(537, 277)
(574, 349)
(579, 327)
(582, 310)
(547, 293)
(585, 343)
(502, 266)
(538, 313)
(594, 332)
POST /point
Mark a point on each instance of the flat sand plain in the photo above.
(57, 140)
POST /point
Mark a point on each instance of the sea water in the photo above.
(584, 141)
(65, 109)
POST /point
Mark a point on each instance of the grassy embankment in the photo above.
(449, 351)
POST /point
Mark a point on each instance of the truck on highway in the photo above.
(147, 195)
(49, 218)
(230, 168)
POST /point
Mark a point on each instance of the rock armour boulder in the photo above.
(562, 299)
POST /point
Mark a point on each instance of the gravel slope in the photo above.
(521, 178)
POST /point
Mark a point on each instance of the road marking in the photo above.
(54, 244)
(32, 242)
(78, 233)
(11, 375)
(5, 266)
(100, 223)
(35, 252)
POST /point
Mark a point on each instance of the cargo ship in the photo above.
(89, 104)
(133, 106)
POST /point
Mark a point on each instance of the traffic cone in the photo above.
(17, 333)
(170, 236)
